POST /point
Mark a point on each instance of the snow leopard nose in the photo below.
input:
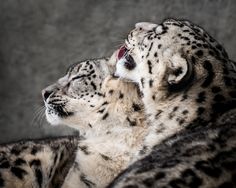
(46, 94)
(48, 91)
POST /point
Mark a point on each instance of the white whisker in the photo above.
(37, 115)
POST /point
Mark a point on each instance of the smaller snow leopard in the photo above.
(187, 81)
(109, 115)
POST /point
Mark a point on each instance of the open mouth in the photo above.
(128, 60)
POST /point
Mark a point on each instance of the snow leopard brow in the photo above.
(71, 67)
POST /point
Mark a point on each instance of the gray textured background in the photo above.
(39, 38)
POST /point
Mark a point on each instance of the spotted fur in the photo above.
(187, 81)
(109, 116)
(36, 163)
(203, 157)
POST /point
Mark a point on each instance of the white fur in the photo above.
(112, 137)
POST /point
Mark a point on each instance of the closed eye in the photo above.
(78, 77)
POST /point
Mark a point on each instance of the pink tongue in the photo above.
(121, 52)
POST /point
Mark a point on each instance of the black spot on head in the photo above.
(87, 182)
(175, 109)
(185, 112)
(181, 121)
(190, 178)
(94, 86)
(193, 60)
(200, 110)
(18, 172)
(186, 31)
(39, 177)
(207, 65)
(205, 46)
(19, 162)
(199, 45)
(150, 47)
(142, 82)
(208, 168)
(219, 98)
(35, 162)
(105, 116)
(143, 151)
(177, 183)
(199, 53)
(210, 74)
(153, 97)
(131, 123)
(155, 54)
(149, 66)
(84, 149)
(159, 175)
(148, 182)
(185, 38)
(211, 53)
(111, 91)
(150, 83)
(131, 186)
(185, 96)
(158, 114)
(5, 164)
(15, 151)
(136, 107)
(201, 97)
(34, 150)
(121, 95)
(105, 157)
(105, 103)
(101, 111)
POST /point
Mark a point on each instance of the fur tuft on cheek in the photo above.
(53, 119)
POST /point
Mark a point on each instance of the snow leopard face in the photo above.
(76, 94)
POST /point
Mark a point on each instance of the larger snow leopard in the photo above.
(187, 81)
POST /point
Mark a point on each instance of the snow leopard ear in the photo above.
(179, 70)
